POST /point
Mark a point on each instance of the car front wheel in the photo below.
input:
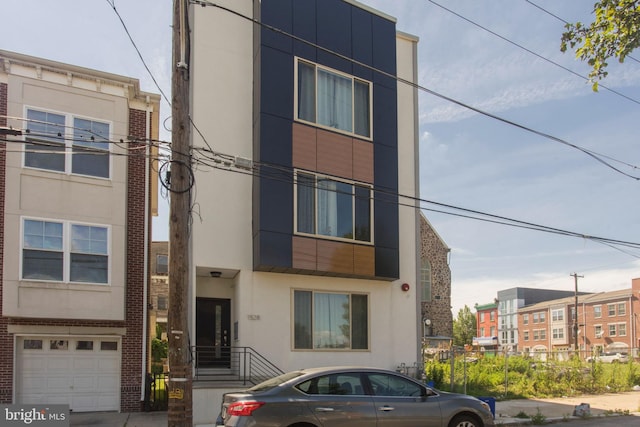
(465, 421)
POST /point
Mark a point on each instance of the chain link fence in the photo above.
(523, 375)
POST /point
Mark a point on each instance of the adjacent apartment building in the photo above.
(606, 322)
(76, 195)
(509, 303)
(305, 247)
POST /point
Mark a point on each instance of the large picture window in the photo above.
(333, 208)
(64, 252)
(68, 144)
(331, 321)
(332, 99)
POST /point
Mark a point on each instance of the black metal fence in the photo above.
(156, 396)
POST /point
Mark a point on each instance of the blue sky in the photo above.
(467, 160)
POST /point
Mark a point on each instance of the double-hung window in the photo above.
(67, 144)
(61, 251)
(333, 99)
(333, 208)
(324, 320)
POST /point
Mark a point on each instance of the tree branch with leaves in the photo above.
(615, 32)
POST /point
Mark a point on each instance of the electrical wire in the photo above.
(594, 155)
(532, 52)
(566, 23)
(112, 3)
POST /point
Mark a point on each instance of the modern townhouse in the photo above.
(77, 192)
(305, 245)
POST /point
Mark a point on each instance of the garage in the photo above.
(82, 372)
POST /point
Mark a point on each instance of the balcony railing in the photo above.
(231, 364)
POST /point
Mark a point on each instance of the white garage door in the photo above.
(82, 372)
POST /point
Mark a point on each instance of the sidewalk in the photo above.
(557, 409)
(561, 409)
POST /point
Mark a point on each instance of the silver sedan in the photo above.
(350, 396)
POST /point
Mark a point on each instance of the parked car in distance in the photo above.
(609, 358)
(350, 396)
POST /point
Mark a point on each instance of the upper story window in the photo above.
(425, 280)
(557, 315)
(333, 208)
(162, 302)
(525, 319)
(60, 251)
(162, 264)
(622, 309)
(492, 316)
(611, 309)
(67, 144)
(597, 311)
(330, 320)
(332, 99)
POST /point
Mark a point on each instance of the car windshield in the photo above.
(274, 382)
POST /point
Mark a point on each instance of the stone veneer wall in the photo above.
(438, 310)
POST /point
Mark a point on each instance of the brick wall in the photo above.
(132, 343)
(6, 341)
(438, 310)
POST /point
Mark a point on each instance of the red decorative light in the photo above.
(405, 287)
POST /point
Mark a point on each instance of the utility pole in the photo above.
(575, 317)
(180, 411)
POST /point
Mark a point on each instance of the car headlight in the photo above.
(486, 406)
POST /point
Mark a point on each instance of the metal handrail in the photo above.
(229, 363)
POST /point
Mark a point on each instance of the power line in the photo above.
(112, 3)
(286, 174)
(594, 155)
(220, 159)
(567, 23)
(531, 52)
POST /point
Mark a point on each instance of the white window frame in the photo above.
(613, 329)
(558, 333)
(66, 250)
(353, 79)
(622, 329)
(621, 308)
(598, 331)
(557, 315)
(67, 140)
(597, 311)
(611, 309)
(353, 185)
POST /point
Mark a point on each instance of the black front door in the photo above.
(213, 334)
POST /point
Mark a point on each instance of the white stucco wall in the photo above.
(222, 108)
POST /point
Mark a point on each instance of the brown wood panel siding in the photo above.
(362, 161)
(304, 147)
(364, 260)
(335, 154)
(335, 257)
(304, 253)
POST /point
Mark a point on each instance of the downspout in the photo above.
(584, 329)
(416, 168)
(145, 291)
(632, 323)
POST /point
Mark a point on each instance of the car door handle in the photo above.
(386, 408)
(324, 409)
